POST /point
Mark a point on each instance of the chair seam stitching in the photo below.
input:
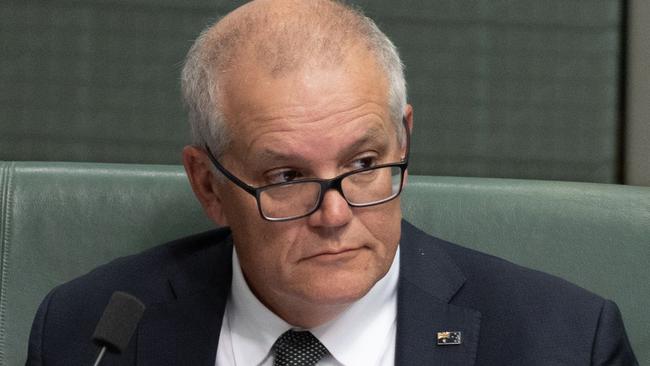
(7, 198)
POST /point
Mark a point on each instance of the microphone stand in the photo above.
(100, 356)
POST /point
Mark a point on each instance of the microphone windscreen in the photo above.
(119, 321)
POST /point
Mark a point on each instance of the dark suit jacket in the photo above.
(508, 315)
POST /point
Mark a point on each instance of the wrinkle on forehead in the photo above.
(330, 130)
(258, 102)
(374, 136)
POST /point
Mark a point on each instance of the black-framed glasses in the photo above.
(299, 198)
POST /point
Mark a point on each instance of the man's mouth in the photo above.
(335, 255)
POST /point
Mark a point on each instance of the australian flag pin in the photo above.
(449, 338)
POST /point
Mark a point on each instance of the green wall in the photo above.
(518, 88)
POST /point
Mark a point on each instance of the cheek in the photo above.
(263, 247)
(238, 206)
(385, 228)
(383, 223)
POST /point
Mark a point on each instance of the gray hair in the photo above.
(336, 25)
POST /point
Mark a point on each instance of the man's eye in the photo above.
(365, 162)
(283, 176)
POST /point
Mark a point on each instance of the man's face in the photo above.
(310, 123)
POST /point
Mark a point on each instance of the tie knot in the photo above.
(298, 348)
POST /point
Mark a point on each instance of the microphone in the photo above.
(117, 324)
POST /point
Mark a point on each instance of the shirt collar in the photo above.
(253, 327)
(352, 338)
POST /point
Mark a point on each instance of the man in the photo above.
(300, 146)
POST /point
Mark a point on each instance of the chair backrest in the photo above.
(59, 220)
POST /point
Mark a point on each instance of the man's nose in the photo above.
(333, 212)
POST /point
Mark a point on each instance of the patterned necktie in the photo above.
(298, 349)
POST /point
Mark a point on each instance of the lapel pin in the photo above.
(449, 338)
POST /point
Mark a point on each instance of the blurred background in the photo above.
(554, 89)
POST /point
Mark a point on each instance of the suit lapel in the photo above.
(428, 281)
(185, 330)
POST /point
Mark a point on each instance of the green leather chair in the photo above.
(59, 220)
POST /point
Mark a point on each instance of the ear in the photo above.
(408, 115)
(206, 189)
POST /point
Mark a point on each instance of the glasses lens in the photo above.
(372, 186)
(290, 200)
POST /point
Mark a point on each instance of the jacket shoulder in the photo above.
(153, 276)
(529, 315)
(488, 276)
(146, 274)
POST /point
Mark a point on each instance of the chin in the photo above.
(339, 288)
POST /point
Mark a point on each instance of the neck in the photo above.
(305, 315)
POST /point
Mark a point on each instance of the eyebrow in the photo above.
(372, 136)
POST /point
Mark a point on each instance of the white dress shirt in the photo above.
(363, 335)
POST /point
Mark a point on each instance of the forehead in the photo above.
(313, 102)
